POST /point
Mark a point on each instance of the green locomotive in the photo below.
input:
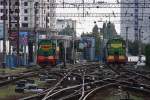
(116, 51)
(47, 52)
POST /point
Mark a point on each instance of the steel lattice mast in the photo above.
(53, 13)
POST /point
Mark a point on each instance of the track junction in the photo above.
(85, 81)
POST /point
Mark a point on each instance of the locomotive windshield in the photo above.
(46, 48)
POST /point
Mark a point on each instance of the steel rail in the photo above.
(56, 85)
(70, 70)
(71, 95)
(106, 81)
(91, 93)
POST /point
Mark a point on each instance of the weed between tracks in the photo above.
(12, 71)
(8, 93)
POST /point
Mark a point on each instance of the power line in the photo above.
(97, 15)
(95, 5)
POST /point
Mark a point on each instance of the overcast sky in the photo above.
(85, 24)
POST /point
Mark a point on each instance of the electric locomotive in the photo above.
(47, 52)
(116, 51)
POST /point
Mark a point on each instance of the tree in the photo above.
(96, 34)
(114, 32)
(86, 34)
(67, 31)
(95, 31)
(108, 30)
(147, 54)
(104, 30)
(133, 48)
(97, 45)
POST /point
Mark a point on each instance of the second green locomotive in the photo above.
(116, 51)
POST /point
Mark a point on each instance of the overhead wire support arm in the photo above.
(35, 30)
(95, 15)
(95, 5)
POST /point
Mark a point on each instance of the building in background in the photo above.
(27, 16)
(27, 13)
(22, 16)
(136, 20)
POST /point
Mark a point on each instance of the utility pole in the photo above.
(94, 1)
(73, 51)
(127, 40)
(139, 41)
(101, 47)
(14, 31)
(35, 33)
(83, 7)
(136, 17)
(9, 32)
(73, 39)
(4, 33)
(65, 50)
(149, 29)
(18, 29)
(53, 17)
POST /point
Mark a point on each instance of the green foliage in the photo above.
(86, 34)
(95, 31)
(108, 30)
(67, 31)
(133, 48)
(104, 29)
(97, 46)
(147, 54)
(96, 34)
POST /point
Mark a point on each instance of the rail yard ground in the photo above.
(76, 82)
(8, 92)
(12, 70)
(115, 94)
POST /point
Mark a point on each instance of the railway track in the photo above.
(86, 85)
(124, 81)
(76, 91)
(128, 86)
(11, 78)
(67, 73)
(8, 79)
